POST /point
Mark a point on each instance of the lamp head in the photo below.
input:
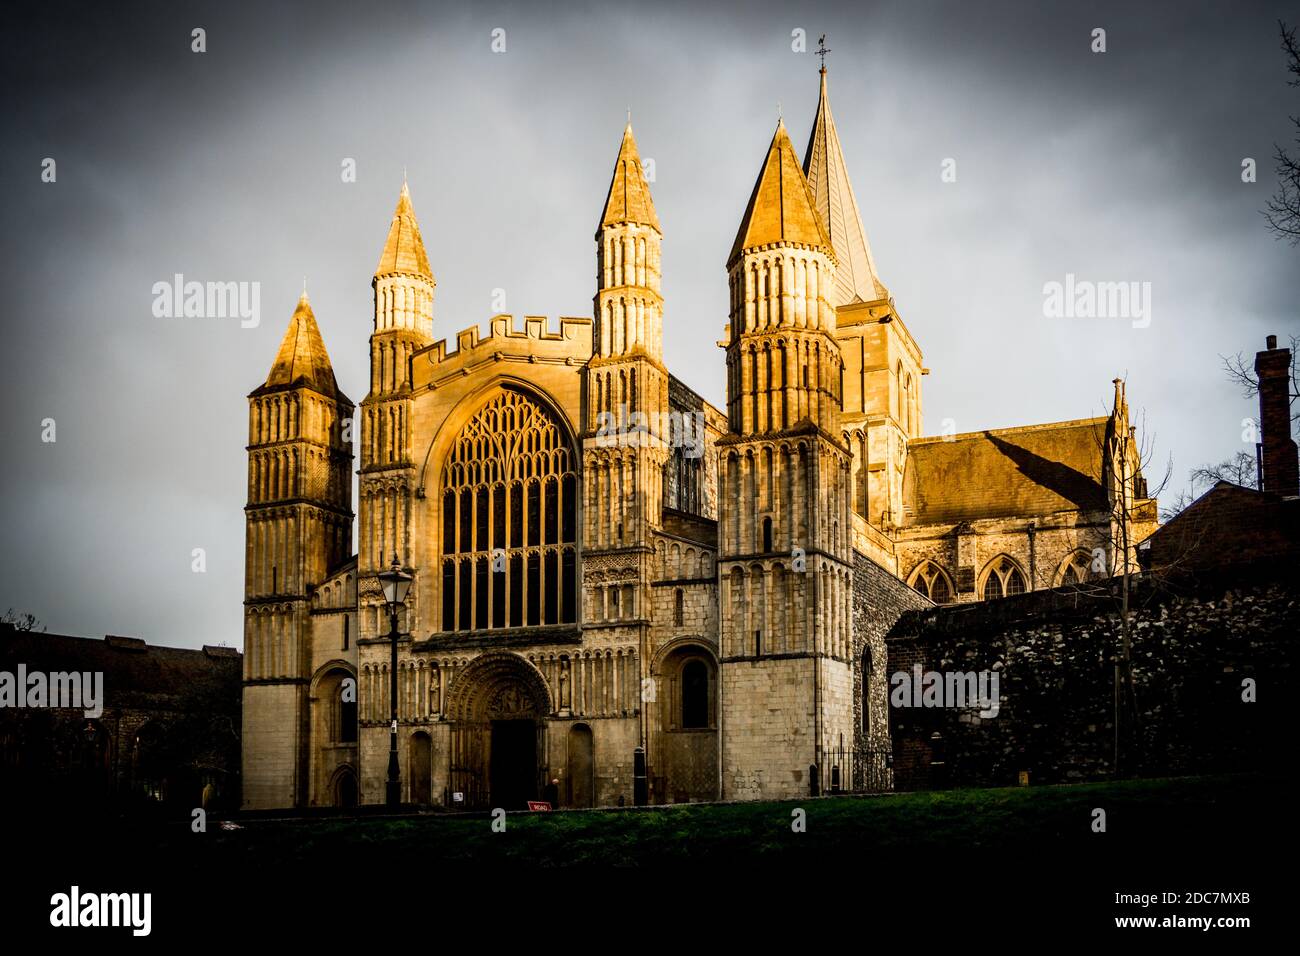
(396, 583)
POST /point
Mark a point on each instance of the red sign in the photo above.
(539, 805)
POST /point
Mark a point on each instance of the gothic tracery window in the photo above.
(931, 581)
(1077, 570)
(1003, 580)
(509, 519)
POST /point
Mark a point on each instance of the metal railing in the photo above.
(852, 770)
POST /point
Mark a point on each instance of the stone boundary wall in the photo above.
(1193, 643)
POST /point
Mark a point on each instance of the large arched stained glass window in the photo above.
(509, 519)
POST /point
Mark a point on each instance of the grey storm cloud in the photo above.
(225, 166)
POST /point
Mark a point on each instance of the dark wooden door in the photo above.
(513, 773)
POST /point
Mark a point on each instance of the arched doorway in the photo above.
(333, 715)
(582, 767)
(345, 788)
(686, 768)
(497, 706)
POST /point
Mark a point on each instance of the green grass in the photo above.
(1143, 817)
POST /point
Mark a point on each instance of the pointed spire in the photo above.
(302, 359)
(629, 199)
(404, 249)
(1120, 407)
(781, 206)
(828, 178)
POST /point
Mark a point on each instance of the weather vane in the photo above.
(822, 51)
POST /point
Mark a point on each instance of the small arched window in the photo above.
(1003, 580)
(767, 535)
(695, 695)
(931, 581)
(348, 720)
(1077, 570)
(866, 689)
(679, 610)
(907, 405)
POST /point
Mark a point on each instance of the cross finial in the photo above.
(403, 175)
(629, 116)
(822, 50)
(304, 285)
(779, 115)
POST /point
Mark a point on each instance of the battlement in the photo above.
(537, 341)
(502, 329)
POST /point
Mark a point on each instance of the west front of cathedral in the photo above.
(620, 592)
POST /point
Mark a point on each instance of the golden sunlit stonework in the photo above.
(610, 574)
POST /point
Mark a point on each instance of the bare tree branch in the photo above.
(1176, 507)
(1283, 210)
(21, 622)
(1239, 469)
(1241, 372)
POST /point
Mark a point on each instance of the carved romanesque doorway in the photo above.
(497, 706)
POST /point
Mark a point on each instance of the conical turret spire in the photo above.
(828, 178)
(781, 208)
(628, 199)
(302, 359)
(404, 249)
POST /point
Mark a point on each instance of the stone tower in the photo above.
(299, 528)
(784, 554)
(403, 287)
(626, 443)
(627, 379)
(882, 363)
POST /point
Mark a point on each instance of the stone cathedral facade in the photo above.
(608, 570)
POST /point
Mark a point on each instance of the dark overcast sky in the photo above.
(1123, 166)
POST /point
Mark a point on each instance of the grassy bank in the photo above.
(1142, 816)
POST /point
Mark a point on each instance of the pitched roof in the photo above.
(302, 359)
(404, 249)
(130, 666)
(828, 178)
(781, 207)
(629, 199)
(1228, 525)
(1035, 470)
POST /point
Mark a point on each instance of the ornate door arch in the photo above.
(497, 707)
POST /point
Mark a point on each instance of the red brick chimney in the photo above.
(1281, 473)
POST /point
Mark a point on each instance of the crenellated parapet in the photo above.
(537, 343)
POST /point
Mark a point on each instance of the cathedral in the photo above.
(620, 592)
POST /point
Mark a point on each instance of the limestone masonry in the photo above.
(603, 562)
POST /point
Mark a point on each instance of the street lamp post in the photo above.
(395, 583)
